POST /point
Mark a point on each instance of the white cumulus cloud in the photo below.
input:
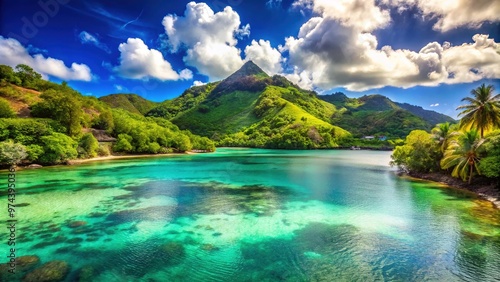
(209, 38)
(331, 50)
(13, 53)
(362, 14)
(265, 56)
(471, 62)
(453, 14)
(137, 61)
(198, 83)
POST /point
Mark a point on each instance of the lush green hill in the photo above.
(129, 102)
(378, 115)
(191, 98)
(250, 108)
(48, 123)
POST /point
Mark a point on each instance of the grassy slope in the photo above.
(19, 98)
(301, 116)
(235, 111)
(227, 114)
(129, 102)
(305, 100)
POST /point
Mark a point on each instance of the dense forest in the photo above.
(464, 150)
(378, 115)
(48, 123)
(253, 109)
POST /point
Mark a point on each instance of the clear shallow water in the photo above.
(253, 215)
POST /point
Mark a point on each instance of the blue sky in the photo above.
(425, 52)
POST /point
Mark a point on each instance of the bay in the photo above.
(252, 215)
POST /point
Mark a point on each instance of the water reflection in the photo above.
(251, 215)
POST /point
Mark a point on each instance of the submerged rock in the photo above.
(75, 224)
(23, 264)
(189, 241)
(92, 238)
(83, 230)
(55, 270)
(96, 214)
(74, 240)
(86, 273)
(171, 253)
(26, 262)
(209, 247)
(173, 249)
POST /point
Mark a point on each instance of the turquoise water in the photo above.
(252, 215)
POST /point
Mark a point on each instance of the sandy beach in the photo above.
(117, 157)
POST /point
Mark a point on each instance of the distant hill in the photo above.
(129, 102)
(378, 115)
(430, 116)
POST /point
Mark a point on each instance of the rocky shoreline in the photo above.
(484, 188)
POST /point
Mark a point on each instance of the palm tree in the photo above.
(442, 135)
(483, 110)
(463, 155)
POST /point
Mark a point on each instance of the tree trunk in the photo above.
(482, 132)
(470, 173)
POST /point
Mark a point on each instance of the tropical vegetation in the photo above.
(253, 109)
(482, 110)
(49, 123)
(378, 115)
(466, 150)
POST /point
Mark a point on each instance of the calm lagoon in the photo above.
(252, 215)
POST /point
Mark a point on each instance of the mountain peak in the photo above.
(248, 69)
(249, 77)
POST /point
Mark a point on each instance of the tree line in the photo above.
(464, 150)
(61, 119)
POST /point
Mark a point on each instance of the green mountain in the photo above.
(129, 102)
(250, 108)
(378, 115)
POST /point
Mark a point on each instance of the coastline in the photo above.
(105, 158)
(482, 188)
(118, 157)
